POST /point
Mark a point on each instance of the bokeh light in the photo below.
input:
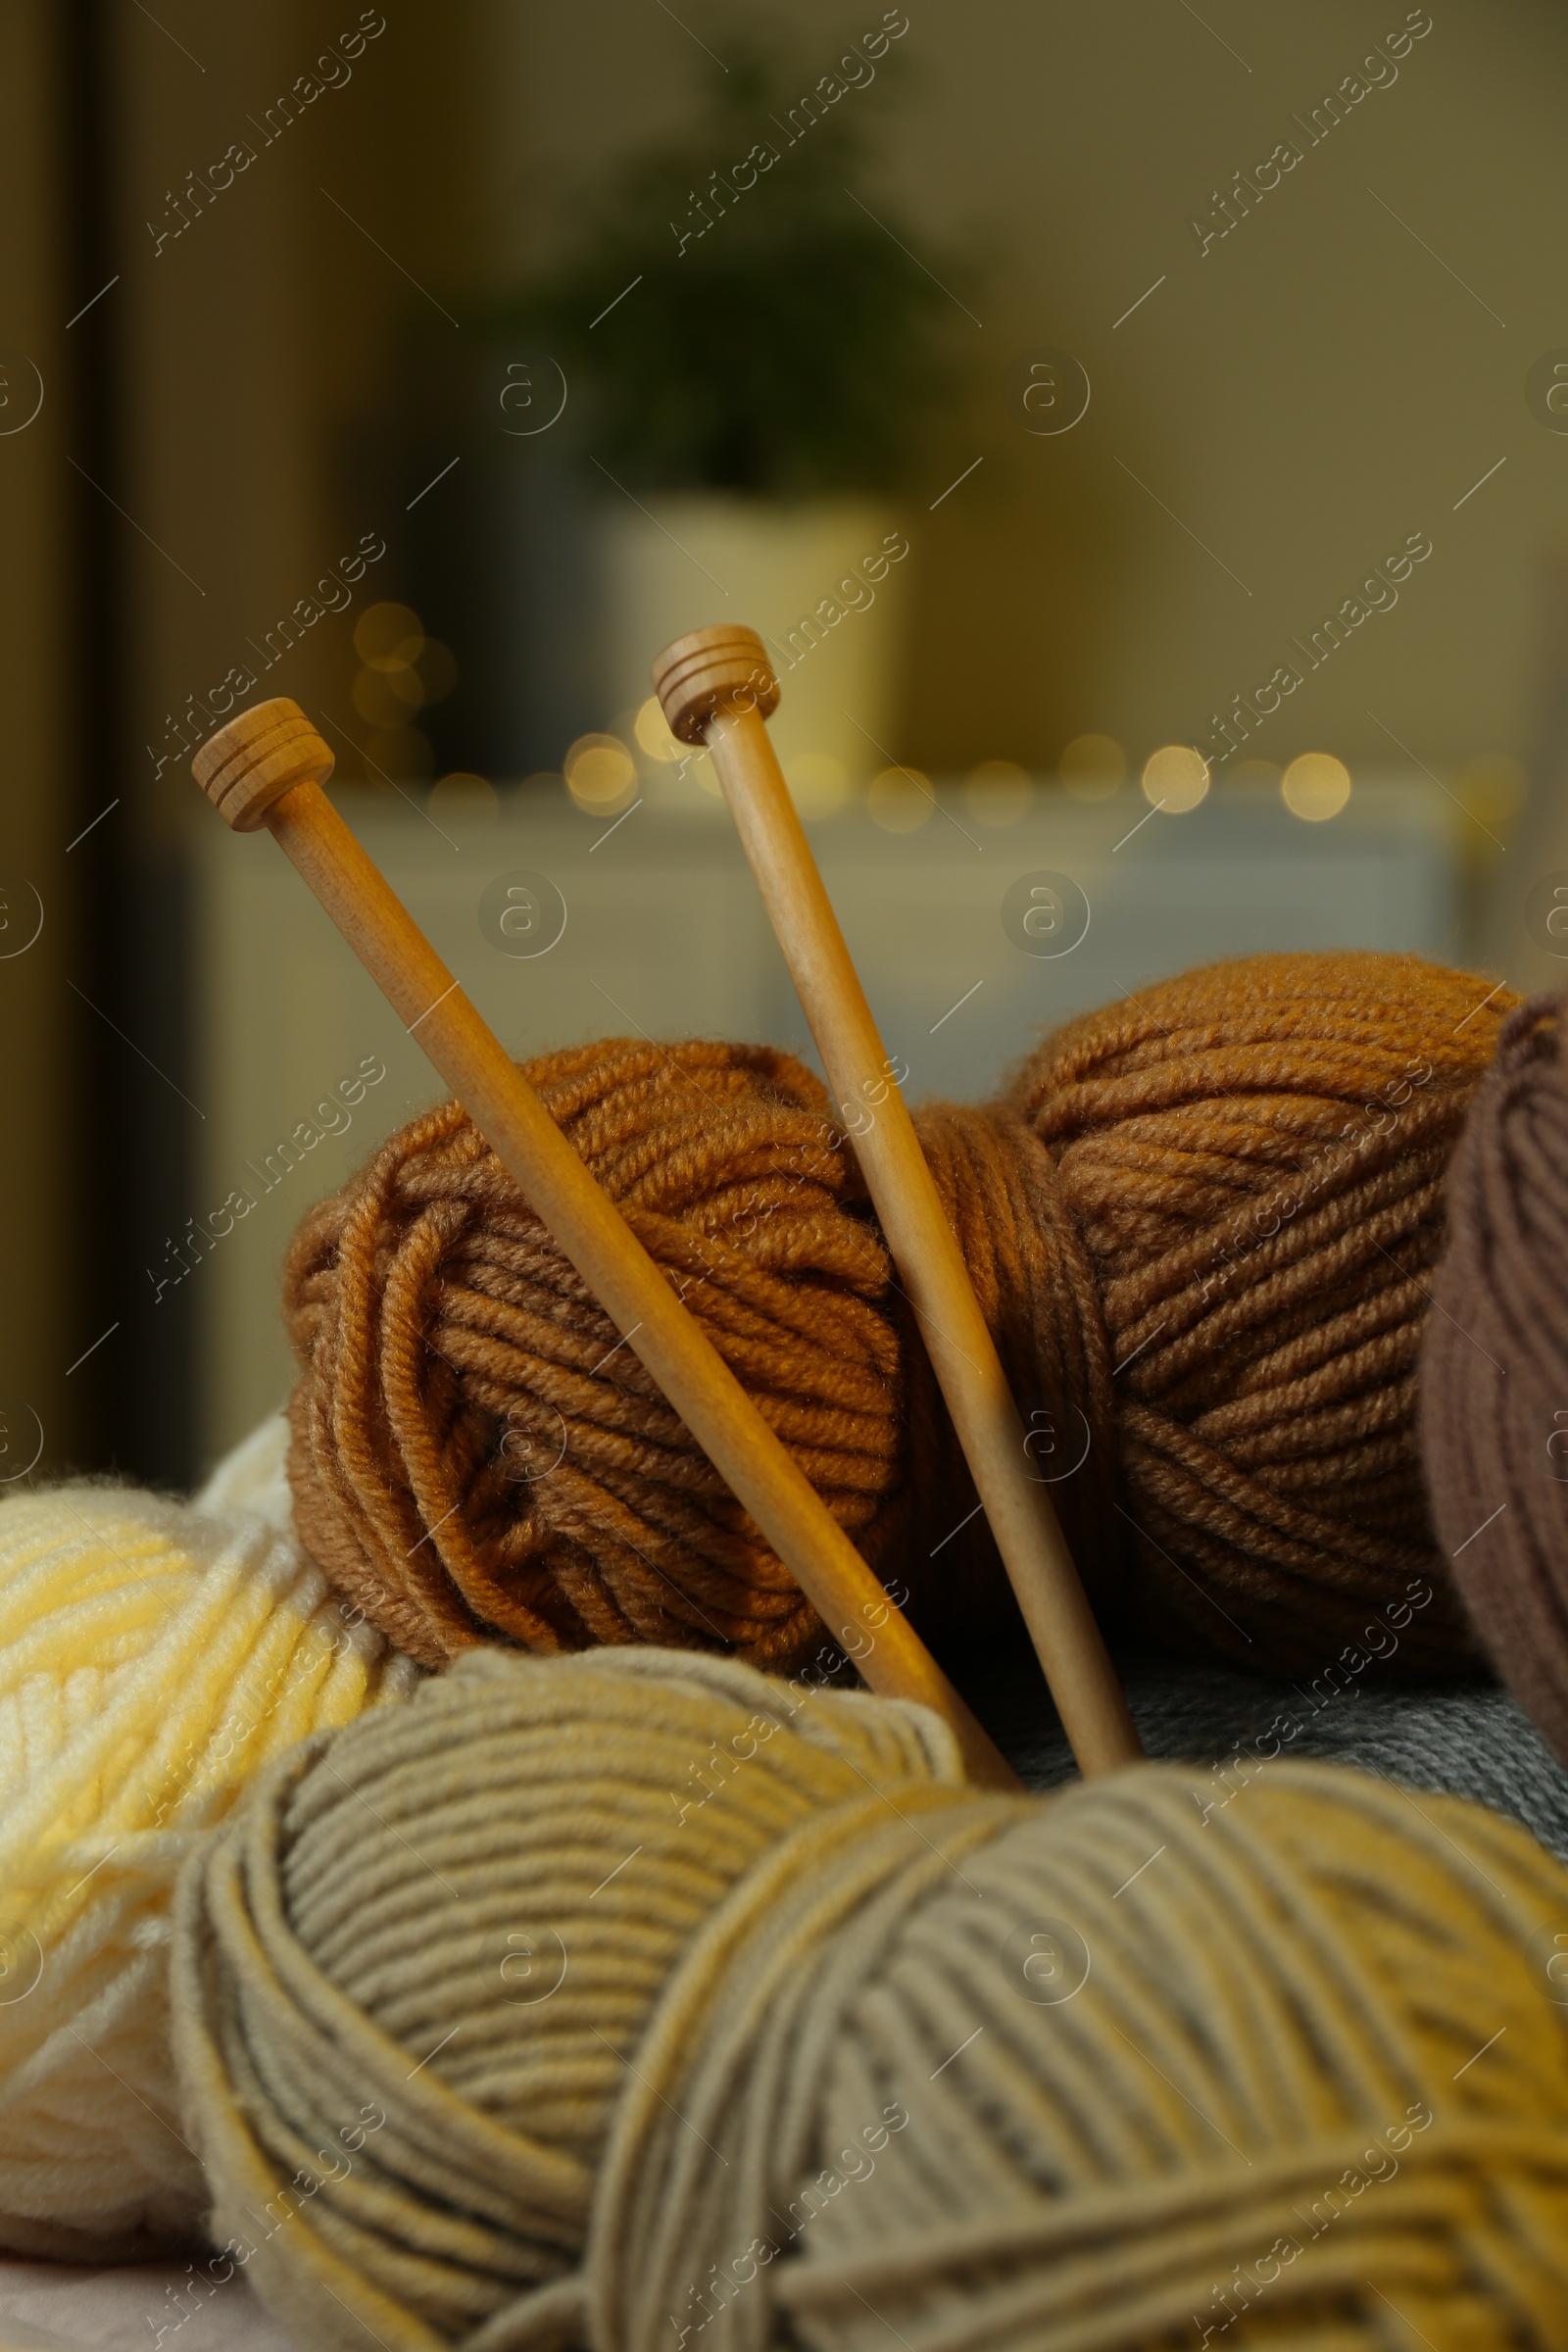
(1315, 787)
(1175, 777)
(399, 755)
(652, 731)
(900, 800)
(600, 775)
(818, 782)
(387, 697)
(388, 636)
(402, 669)
(461, 794)
(1092, 767)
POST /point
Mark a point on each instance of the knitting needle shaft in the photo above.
(584, 1221)
(1055, 1609)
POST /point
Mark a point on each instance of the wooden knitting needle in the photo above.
(267, 767)
(716, 687)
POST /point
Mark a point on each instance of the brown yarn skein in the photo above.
(1494, 1367)
(1200, 1227)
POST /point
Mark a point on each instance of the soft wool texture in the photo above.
(584, 2001)
(152, 1657)
(1494, 1367)
(1200, 1227)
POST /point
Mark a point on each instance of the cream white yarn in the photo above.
(254, 1476)
(153, 1655)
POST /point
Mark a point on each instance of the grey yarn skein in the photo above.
(1474, 1741)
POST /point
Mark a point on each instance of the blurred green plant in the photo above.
(775, 339)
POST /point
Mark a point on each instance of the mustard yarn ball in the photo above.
(636, 2001)
(152, 1657)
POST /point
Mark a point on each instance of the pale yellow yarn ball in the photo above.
(153, 1656)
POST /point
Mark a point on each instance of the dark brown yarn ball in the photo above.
(1254, 1155)
(1200, 1227)
(1494, 1366)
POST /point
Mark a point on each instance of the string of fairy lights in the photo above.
(404, 671)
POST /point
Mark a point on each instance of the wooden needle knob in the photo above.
(713, 670)
(257, 757)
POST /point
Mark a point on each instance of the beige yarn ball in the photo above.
(636, 2001)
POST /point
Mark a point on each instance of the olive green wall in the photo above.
(1300, 396)
(1279, 412)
